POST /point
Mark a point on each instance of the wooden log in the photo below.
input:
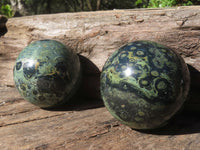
(97, 34)
(84, 123)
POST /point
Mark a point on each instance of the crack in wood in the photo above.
(27, 121)
(41, 147)
(99, 134)
(189, 28)
(7, 102)
(21, 112)
(104, 130)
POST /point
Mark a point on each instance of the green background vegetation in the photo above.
(12, 8)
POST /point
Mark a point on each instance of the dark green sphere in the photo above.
(47, 73)
(144, 84)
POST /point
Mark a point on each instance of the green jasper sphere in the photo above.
(47, 73)
(143, 84)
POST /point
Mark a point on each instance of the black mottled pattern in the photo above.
(18, 65)
(47, 73)
(143, 84)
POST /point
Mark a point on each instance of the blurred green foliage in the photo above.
(171, 3)
(162, 3)
(7, 10)
(32, 7)
(165, 3)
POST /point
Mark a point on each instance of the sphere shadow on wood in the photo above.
(88, 95)
(193, 102)
(187, 121)
(144, 84)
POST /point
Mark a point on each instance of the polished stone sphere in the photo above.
(47, 73)
(144, 84)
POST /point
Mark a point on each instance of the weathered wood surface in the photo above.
(85, 124)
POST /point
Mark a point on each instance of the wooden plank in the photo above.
(93, 128)
(84, 123)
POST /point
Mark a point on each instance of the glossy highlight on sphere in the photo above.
(143, 84)
(47, 73)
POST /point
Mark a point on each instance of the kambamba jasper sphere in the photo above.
(144, 84)
(47, 73)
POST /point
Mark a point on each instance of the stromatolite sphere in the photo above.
(47, 73)
(143, 84)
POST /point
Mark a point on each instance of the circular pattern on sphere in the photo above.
(47, 73)
(143, 84)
